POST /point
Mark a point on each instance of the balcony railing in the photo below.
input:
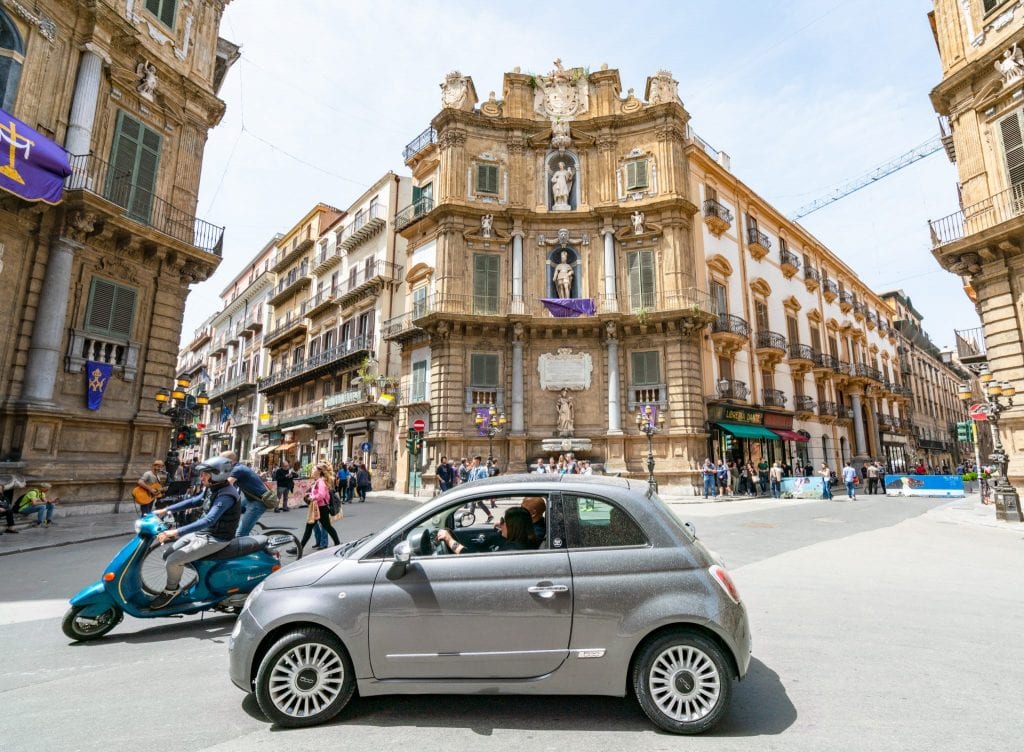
(401, 327)
(363, 226)
(767, 340)
(714, 208)
(812, 274)
(846, 299)
(378, 272)
(418, 144)
(797, 351)
(804, 404)
(970, 345)
(863, 370)
(413, 211)
(732, 389)
(978, 217)
(790, 259)
(729, 324)
(758, 242)
(773, 398)
(830, 288)
(824, 361)
(93, 175)
(245, 380)
(354, 345)
(828, 409)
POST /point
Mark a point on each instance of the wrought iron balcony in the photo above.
(286, 256)
(864, 371)
(766, 340)
(365, 225)
(830, 289)
(732, 389)
(350, 350)
(811, 274)
(94, 176)
(294, 323)
(824, 362)
(726, 323)
(238, 383)
(413, 212)
(401, 328)
(326, 258)
(872, 319)
(828, 409)
(288, 287)
(773, 398)
(418, 144)
(978, 217)
(804, 404)
(790, 263)
(689, 300)
(758, 243)
(970, 345)
(802, 354)
(717, 216)
(846, 300)
(367, 280)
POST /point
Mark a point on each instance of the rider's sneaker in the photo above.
(162, 600)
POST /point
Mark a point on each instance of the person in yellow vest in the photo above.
(37, 501)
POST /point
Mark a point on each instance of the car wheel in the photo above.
(304, 679)
(683, 682)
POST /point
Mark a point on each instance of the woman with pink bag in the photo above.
(318, 502)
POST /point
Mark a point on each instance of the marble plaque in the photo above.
(565, 370)
(567, 445)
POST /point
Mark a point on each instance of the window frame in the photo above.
(160, 13)
(418, 387)
(633, 371)
(116, 293)
(486, 303)
(632, 166)
(478, 357)
(484, 187)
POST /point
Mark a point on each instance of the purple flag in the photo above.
(483, 418)
(569, 307)
(97, 377)
(32, 166)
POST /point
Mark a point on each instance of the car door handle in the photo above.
(547, 591)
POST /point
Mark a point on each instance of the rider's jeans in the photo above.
(251, 512)
(189, 548)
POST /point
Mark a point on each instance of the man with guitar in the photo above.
(149, 487)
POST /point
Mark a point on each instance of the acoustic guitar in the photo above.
(142, 496)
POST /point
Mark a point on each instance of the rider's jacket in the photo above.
(224, 527)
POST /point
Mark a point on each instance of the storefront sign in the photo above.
(731, 414)
(951, 486)
(775, 420)
(802, 488)
(32, 166)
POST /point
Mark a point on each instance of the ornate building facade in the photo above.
(128, 89)
(550, 276)
(979, 96)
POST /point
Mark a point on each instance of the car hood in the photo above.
(303, 572)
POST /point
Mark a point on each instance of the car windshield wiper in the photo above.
(348, 546)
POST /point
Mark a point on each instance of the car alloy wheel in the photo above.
(304, 679)
(683, 682)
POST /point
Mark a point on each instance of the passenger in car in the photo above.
(536, 506)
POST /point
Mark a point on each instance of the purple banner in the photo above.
(32, 166)
(483, 420)
(562, 308)
(97, 375)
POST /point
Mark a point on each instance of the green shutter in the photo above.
(123, 312)
(101, 303)
(419, 381)
(636, 174)
(483, 370)
(640, 267)
(646, 368)
(111, 308)
(486, 179)
(164, 10)
(1013, 146)
(134, 160)
(486, 272)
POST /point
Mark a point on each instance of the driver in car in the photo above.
(207, 535)
(516, 530)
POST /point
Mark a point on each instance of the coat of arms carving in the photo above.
(562, 93)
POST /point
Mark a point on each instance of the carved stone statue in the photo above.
(454, 90)
(485, 225)
(566, 419)
(1011, 65)
(661, 87)
(562, 277)
(638, 222)
(146, 72)
(561, 185)
(560, 136)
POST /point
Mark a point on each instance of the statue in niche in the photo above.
(561, 186)
(566, 410)
(1011, 65)
(486, 221)
(638, 222)
(562, 277)
(146, 73)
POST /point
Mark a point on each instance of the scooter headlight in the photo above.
(138, 525)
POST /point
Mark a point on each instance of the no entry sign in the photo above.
(978, 411)
(419, 425)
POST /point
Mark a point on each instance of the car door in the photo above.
(494, 615)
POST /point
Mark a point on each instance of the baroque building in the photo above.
(979, 97)
(551, 277)
(128, 91)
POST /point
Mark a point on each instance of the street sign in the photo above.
(978, 411)
(366, 446)
(419, 425)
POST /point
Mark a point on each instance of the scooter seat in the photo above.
(239, 547)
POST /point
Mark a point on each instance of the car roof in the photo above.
(499, 482)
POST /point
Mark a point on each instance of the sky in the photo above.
(804, 95)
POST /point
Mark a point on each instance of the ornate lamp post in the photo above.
(998, 398)
(179, 406)
(646, 422)
(493, 425)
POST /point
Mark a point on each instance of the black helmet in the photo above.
(218, 467)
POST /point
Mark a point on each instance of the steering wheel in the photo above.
(440, 547)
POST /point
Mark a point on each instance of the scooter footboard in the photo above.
(94, 600)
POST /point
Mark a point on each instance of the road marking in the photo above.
(16, 612)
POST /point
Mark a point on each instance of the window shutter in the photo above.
(793, 328)
(123, 311)
(122, 160)
(145, 175)
(636, 174)
(100, 305)
(167, 13)
(1013, 146)
(111, 308)
(486, 179)
(485, 283)
(646, 368)
(483, 370)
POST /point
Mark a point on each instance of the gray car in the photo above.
(600, 591)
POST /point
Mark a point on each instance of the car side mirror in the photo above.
(464, 518)
(403, 555)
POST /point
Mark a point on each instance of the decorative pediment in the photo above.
(760, 286)
(814, 315)
(719, 263)
(832, 324)
(648, 231)
(419, 272)
(792, 304)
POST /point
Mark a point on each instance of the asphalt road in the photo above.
(877, 626)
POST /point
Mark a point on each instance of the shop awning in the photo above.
(789, 435)
(267, 449)
(747, 432)
(285, 447)
(297, 427)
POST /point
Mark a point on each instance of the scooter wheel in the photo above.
(84, 628)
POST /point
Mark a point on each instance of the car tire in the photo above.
(683, 682)
(305, 679)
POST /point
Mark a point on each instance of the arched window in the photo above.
(12, 55)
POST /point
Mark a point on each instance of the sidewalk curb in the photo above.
(58, 544)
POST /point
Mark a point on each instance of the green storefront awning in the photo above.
(748, 432)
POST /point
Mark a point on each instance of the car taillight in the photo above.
(725, 582)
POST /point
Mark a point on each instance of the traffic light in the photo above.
(182, 437)
(419, 443)
(410, 442)
(193, 438)
(963, 431)
(728, 442)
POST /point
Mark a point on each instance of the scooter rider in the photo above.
(207, 535)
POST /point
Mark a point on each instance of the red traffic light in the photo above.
(200, 426)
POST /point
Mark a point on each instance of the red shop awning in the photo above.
(789, 435)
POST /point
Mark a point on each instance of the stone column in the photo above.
(83, 108)
(517, 274)
(610, 300)
(48, 329)
(858, 424)
(517, 380)
(614, 396)
(876, 432)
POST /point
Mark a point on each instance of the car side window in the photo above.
(596, 523)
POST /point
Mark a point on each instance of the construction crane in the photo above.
(926, 149)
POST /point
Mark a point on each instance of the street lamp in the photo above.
(998, 398)
(179, 406)
(493, 425)
(646, 422)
